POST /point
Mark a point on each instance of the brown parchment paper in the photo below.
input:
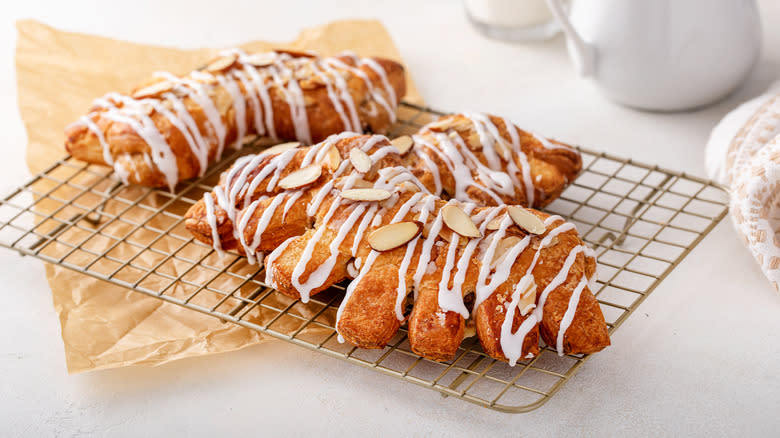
(58, 75)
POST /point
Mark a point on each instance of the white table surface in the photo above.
(700, 356)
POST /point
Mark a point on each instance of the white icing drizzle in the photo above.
(254, 102)
(249, 89)
(425, 256)
(512, 343)
(162, 155)
(293, 95)
(568, 317)
(451, 299)
(269, 262)
(484, 288)
(385, 82)
(239, 107)
(86, 121)
(258, 81)
(550, 145)
(320, 274)
(487, 140)
(502, 271)
(559, 278)
(456, 163)
(362, 228)
(262, 224)
(512, 169)
(390, 108)
(211, 218)
(198, 144)
(353, 122)
(494, 177)
(401, 289)
(239, 189)
(290, 202)
(202, 96)
(431, 166)
(366, 267)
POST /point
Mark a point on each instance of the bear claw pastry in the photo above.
(171, 128)
(517, 275)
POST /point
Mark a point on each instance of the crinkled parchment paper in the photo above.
(59, 74)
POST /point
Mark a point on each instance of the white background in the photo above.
(700, 356)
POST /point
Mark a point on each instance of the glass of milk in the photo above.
(512, 20)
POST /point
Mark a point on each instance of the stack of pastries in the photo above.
(436, 222)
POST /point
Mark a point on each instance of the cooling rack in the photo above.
(640, 219)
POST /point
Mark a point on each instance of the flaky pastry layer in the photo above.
(311, 214)
(172, 127)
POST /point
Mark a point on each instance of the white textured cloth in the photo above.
(743, 153)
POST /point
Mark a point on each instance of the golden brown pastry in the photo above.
(470, 157)
(350, 208)
(170, 128)
(488, 160)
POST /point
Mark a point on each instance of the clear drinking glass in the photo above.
(512, 20)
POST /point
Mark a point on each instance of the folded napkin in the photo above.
(743, 153)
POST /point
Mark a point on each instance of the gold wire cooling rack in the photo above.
(641, 220)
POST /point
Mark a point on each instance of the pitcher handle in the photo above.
(583, 54)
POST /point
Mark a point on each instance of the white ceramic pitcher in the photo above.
(663, 55)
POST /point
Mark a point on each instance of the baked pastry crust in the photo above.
(315, 234)
(170, 128)
(477, 158)
(488, 160)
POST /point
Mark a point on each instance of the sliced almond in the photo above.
(222, 63)
(526, 220)
(283, 147)
(527, 299)
(527, 309)
(362, 184)
(473, 141)
(530, 290)
(440, 125)
(155, 89)
(495, 223)
(311, 82)
(393, 235)
(301, 177)
(360, 160)
(261, 60)
(459, 221)
(445, 234)
(206, 78)
(332, 159)
(502, 248)
(249, 138)
(407, 186)
(403, 144)
(366, 194)
(503, 150)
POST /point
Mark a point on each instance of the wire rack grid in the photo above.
(641, 220)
